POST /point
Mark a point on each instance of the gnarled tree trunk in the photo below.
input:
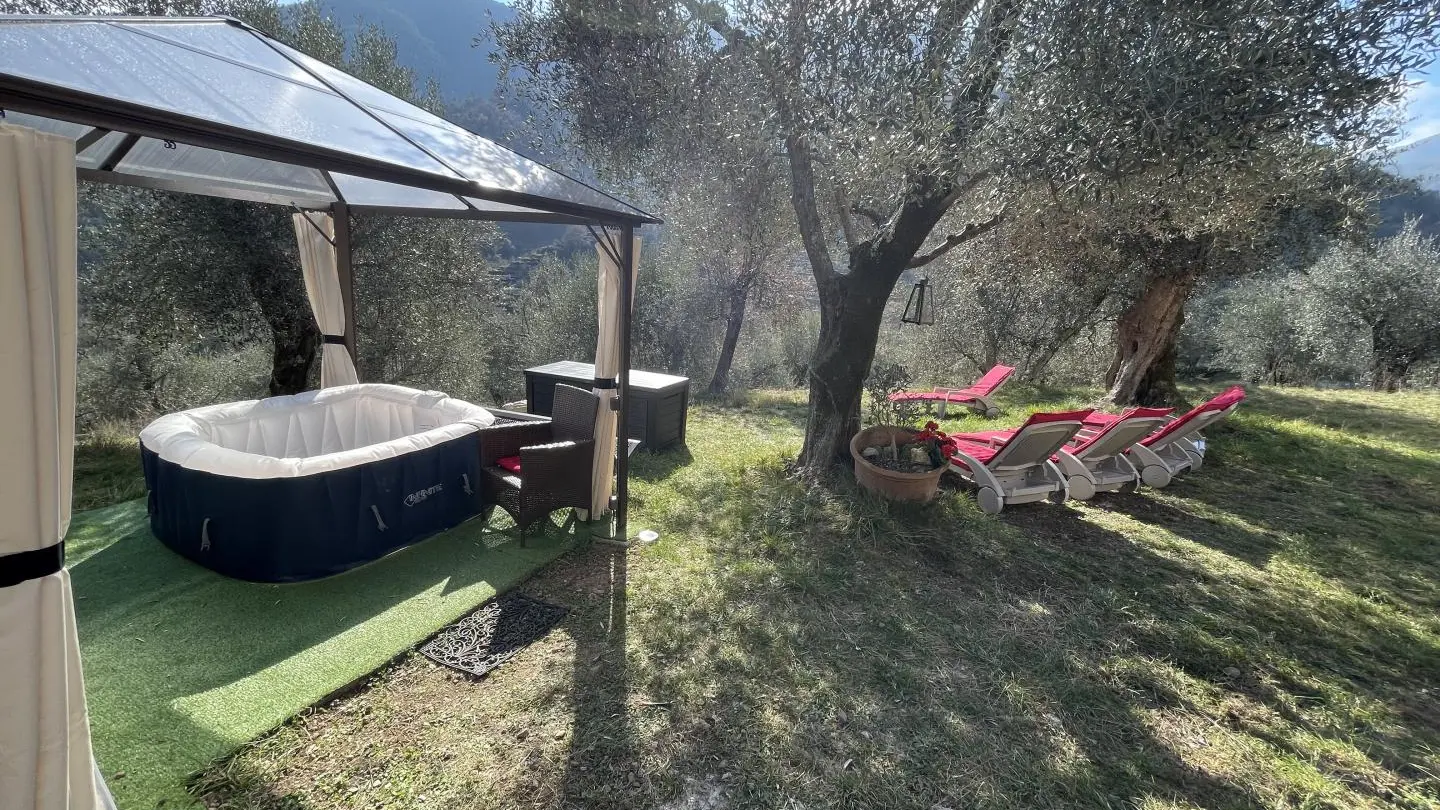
(1144, 369)
(734, 320)
(279, 290)
(851, 309)
(1391, 364)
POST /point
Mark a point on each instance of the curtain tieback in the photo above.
(23, 566)
(605, 382)
(338, 340)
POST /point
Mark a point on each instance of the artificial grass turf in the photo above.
(183, 665)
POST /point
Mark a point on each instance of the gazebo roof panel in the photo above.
(222, 109)
(118, 63)
(195, 163)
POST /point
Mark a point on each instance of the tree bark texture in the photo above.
(852, 303)
(851, 309)
(734, 320)
(1391, 364)
(279, 290)
(1144, 371)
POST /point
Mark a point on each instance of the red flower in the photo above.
(932, 427)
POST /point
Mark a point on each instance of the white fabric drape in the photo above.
(607, 366)
(322, 285)
(45, 756)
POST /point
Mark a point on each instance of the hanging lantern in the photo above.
(920, 309)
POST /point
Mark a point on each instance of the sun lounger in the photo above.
(1095, 460)
(978, 397)
(1017, 467)
(1104, 453)
(1177, 446)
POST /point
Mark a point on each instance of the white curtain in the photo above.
(322, 285)
(45, 756)
(607, 367)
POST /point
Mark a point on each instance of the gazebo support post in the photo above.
(340, 212)
(622, 443)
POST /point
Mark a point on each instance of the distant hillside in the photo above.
(435, 38)
(1421, 161)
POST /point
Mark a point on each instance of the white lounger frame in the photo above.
(1021, 472)
(1103, 466)
(982, 404)
(1180, 451)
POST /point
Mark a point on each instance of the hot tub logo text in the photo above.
(416, 497)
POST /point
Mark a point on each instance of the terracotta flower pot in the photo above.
(897, 486)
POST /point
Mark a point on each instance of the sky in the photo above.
(1423, 107)
(1422, 103)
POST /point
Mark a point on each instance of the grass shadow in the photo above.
(790, 644)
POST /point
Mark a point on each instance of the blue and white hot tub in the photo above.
(301, 487)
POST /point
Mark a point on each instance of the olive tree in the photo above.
(1386, 295)
(902, 121)
(728, 229)
(1022, 293)
(1258, 330)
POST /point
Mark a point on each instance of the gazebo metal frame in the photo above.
(43, 92)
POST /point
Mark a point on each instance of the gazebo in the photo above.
(215, 107)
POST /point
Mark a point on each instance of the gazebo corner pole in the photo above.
(340, 212)
(622, 443)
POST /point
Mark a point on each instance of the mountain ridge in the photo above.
(434, 38)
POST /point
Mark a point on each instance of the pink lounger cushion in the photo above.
(1225, 399)
(1102, 419)
(1220, 402)
(988, 436)
(984, 386)
(1131, 413)
(997, 438)
(980, 452)
(992, 441)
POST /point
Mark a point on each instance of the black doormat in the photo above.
(493, 634)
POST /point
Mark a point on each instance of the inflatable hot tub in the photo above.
(301, 487)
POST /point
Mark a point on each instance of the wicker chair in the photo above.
(555, 460)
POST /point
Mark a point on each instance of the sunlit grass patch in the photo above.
(1260, 634)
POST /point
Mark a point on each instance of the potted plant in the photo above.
(898, 462)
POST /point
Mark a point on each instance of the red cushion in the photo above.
(983, 438)
(980, 452)
(511, 463)
(992, 379)
(985, 385)
(1131, 413)
(1230, 396)
(1101, 419)
(1056, 416)
(914, 396)
(987, 436)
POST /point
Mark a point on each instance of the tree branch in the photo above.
(968, 185)
(988, 47)
(952, 241)
(842, 212)
(807, 212)
(871, 214)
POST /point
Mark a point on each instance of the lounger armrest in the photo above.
(504, 441)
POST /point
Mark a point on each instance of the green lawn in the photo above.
(183, 666)
(1263, 633)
